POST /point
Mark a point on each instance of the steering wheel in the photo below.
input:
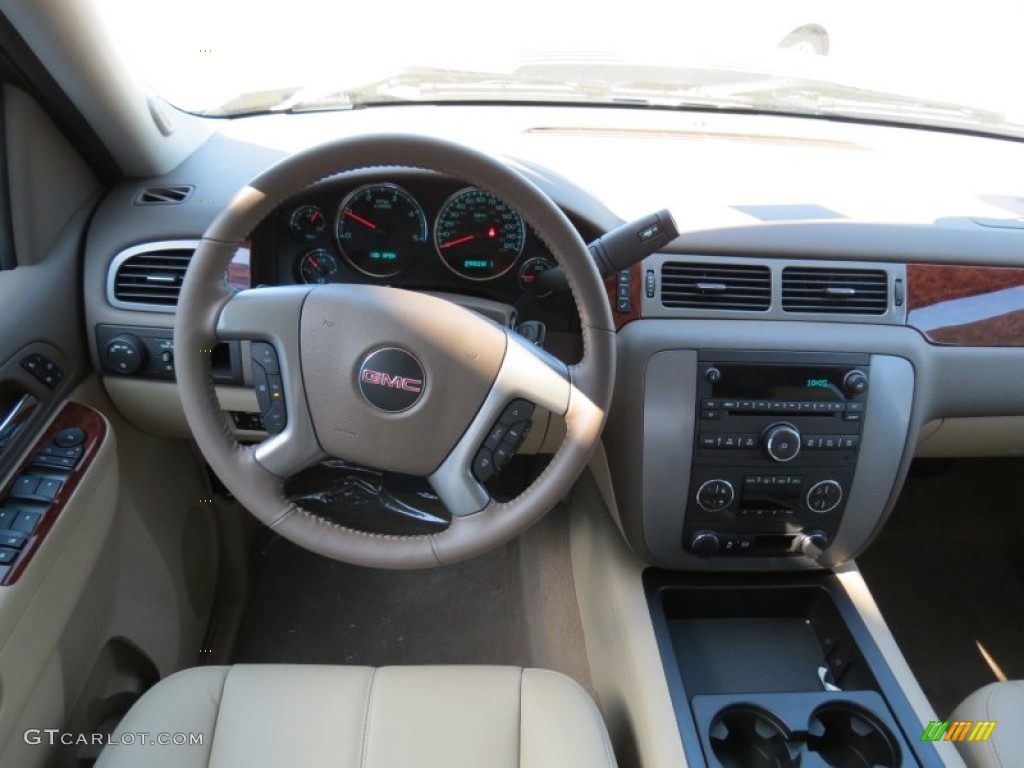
(388, 378)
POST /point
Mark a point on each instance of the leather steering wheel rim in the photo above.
(208, 310)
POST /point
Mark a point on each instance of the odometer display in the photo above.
(477, 235)
(379, 228)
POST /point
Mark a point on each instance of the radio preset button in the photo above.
(830, 442)
(710, 441)
(715, 495)
(710, 415)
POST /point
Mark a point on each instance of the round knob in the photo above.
(813, 542)
(126, 353)
(824, 496)
(782, 442)
(715, 495)
(855, 382)
(704, 543)
(713, 375)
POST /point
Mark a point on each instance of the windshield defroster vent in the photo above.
(170, 195)
(835, 291)
(149, 276)
(740, 287)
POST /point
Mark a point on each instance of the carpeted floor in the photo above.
(516, 605)
(948, 574)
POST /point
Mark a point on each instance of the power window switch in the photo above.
(7, 555)
(48, 488)
(25, 487)
(13, 539)
(26, 522)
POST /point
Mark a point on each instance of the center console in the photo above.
(775, 449)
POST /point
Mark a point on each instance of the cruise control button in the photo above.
(265, 354)
(517, 433)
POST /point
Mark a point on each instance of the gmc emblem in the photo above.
(382, 379)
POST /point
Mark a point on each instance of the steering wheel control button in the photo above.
(265, 354)
(269, 386)
(392, 380)
(715, 495)
(824, 496)
(782, 442)
(516, 411)
(483, 465)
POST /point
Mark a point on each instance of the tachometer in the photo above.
(379, 228)
(477, 235)
(318, 266)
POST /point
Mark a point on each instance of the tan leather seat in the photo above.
(1004, 704)
(392, 717)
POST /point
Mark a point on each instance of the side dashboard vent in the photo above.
(741, 287)
(170, 195)
(149, 275)
(835, 291)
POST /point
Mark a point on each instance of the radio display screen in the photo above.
(750, 381)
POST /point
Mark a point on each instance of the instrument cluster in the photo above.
(406, 229)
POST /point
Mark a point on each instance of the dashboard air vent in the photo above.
(171, 195)
(741, 287)
(151, 277)
(835, 291)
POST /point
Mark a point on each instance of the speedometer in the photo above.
(477, 235)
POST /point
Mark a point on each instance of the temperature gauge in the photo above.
(531, 270)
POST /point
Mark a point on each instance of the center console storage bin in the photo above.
(779, 671)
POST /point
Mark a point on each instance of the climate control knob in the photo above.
(705, 543)
(824, 496)
(715, 495)
(782, 442)
(125, 353)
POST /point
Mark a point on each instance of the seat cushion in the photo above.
(318, 716)
(1004, 704)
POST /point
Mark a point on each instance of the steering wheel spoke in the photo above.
(528, 378)
(270, 317)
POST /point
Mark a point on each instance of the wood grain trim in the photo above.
(966, 306)
(611, 285)
(95, 427)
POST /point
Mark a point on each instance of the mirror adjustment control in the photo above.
(126, 353)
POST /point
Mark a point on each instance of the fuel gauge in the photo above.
(306, 223)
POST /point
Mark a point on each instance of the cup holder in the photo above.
(846, 736)
(748, 737)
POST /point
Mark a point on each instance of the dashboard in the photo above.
(882, 265)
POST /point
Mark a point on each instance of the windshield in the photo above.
(945, 64)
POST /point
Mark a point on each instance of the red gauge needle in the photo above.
(459, 241)
(360, 219)
(314, 217)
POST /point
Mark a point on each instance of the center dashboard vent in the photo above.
(835, 291)
(692, 285)
(168, 195)
(149, 275)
